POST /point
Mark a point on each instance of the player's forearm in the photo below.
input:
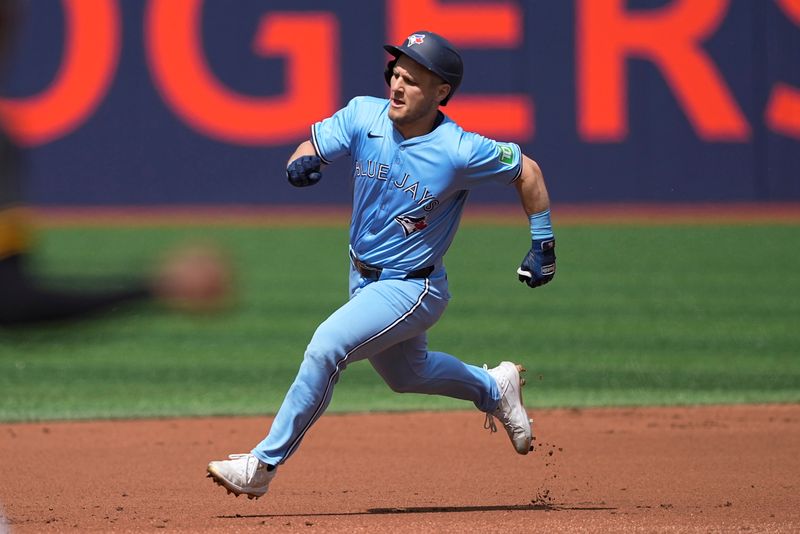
(531, 188)
(305, 149)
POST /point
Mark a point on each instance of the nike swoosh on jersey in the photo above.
(372, 135)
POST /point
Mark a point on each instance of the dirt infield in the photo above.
(645, 469)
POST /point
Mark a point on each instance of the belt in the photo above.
(374, 273)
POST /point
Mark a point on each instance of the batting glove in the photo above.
(304, 171)
(539, 266)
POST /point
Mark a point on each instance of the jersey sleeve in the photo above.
(490, 160)
(332, 137)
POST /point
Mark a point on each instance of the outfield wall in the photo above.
(189, 101)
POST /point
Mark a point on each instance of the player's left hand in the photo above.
(304, 171)
(539, 266)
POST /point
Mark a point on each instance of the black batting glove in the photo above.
(539, 266)
(304, 171)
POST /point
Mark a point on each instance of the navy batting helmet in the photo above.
(433, 52)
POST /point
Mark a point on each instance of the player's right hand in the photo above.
(304, 171)
(539, 265)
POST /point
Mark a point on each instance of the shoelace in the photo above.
(488, 423)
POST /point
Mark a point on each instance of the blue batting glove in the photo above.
(304, 171)
(539, 266)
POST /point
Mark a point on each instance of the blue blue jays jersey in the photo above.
(408, 194)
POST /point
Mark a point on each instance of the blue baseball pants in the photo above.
(385, 321)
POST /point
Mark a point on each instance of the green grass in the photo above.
(636, 316)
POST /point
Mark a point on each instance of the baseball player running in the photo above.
(412, 170)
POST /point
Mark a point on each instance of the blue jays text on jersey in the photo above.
(408, 194)
(380, 171)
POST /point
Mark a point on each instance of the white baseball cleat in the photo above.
(510, 409)
(242, 473)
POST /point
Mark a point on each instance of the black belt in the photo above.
(374, 273)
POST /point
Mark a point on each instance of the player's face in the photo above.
(415, 92)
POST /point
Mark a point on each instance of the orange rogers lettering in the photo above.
(607, 34)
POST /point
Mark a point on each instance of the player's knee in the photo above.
(401, 384)
(323, 357)
(402, 387)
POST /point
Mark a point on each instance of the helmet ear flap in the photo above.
(387, 72)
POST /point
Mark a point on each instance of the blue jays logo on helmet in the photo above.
(416, 38)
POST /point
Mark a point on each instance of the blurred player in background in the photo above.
(412, 168)
(189, 278)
